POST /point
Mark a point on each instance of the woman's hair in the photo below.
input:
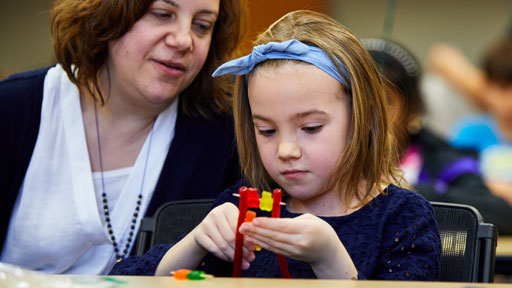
(370, 156)
(82, 30)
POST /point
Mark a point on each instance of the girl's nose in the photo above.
(180, 38)
(288, 150)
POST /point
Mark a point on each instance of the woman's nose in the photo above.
(288, 150)
(180, 38)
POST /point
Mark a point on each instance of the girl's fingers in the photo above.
(216, 234)
(285, 249)
(265, 234)
(207, 243)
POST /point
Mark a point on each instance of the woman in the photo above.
(129, 119)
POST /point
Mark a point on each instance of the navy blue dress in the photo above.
(394, 237)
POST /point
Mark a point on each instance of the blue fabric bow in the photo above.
(291, 50)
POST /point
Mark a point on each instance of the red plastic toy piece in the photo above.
(239, 238)
(276, 213)
(243, 212)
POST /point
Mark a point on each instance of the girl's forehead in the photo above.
(301, 84)
(299, 73)
(287, 67)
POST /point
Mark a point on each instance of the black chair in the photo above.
(468, 244)
(170, 221)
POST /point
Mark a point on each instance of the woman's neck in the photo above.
(122, 131)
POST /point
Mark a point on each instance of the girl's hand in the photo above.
(216, 234)
(306, 238)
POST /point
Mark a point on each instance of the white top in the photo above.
(56, 226)
(114, 183)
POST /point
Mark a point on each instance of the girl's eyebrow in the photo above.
(299, 115)
(308, 113)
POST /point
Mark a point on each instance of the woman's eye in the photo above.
(266, 132)
(162, 14)
(203, 27)
(312, 129)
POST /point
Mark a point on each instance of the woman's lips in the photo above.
(172, 69)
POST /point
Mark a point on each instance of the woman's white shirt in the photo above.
(57, 225)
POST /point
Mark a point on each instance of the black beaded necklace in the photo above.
(120, 256)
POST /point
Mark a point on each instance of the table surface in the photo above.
(169, 282)
(504, 247)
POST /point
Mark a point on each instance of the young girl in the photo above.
(311, 119)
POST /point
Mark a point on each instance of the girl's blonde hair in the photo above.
(82, 30)
(369, 159)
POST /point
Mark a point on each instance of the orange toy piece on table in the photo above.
(187, 274)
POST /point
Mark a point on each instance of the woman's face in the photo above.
(163, 52)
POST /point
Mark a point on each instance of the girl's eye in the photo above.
(266, 132)
(312, 129)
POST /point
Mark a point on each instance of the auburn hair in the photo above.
(82, 30)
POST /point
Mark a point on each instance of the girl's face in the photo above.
(301, 117)
(164, 50)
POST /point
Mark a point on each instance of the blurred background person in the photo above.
(434, 168)
(490, 88)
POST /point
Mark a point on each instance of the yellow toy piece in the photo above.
(266, 201)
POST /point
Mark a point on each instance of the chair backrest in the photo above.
(468, 244)
(171, 220)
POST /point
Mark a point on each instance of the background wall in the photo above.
(25, 41)
(471, 25)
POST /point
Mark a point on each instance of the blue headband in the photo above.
(291, 50)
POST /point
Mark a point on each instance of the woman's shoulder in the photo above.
(23, 87)
(19, 80)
